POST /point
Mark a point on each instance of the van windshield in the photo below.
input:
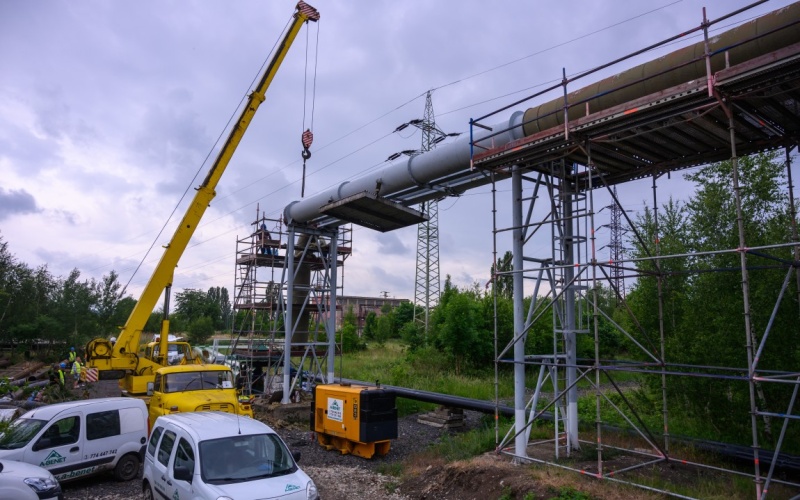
(20, 432)
(237, 459)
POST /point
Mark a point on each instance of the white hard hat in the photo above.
(113, 339)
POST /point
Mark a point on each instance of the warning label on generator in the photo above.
(335, 409)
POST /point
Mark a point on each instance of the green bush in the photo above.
(348, 339)
(201, 330)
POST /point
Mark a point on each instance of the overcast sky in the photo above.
(109, 109)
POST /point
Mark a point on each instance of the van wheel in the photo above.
(147, 491)
(127, 468)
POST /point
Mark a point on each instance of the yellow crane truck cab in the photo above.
(178, 352)
(189, 388)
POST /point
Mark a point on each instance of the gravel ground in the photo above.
(337, 476)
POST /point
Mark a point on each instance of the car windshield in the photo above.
(237, 459)
(196, 381)
(20, 432)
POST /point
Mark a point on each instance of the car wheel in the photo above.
(147, 491)
(127, 468)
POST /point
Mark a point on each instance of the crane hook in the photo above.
(307, 138)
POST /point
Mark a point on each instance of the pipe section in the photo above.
(420, 170)
(675, 68)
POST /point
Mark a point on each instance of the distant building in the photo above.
(361, 307)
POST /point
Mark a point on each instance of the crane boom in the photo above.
(121, 359)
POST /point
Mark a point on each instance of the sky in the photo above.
(108, 111)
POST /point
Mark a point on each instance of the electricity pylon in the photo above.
(427, 289)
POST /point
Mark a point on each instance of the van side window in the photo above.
(151, 446)
(62, 432)
(102, 424)
(165, 450)
(132, 420)
(157, 382)
(184, 456)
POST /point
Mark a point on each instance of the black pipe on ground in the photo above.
(478, 405)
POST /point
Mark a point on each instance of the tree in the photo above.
(348, 339)
(72, 305)
(222, 312)
(108, 296)
(459, 329)
(703, 310)
(200, 330)
(370, 326)
(153, 324)
(383, 331)
(403, 314)
(503, 284)
(191, 305)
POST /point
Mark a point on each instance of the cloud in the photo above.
(16, 201)
(389, 243)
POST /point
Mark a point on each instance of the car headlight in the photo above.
(38, 484)
(311, 491)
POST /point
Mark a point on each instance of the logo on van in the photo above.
(53, 458)
(291, 487)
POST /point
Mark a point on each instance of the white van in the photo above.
(210, 455)
(80, 438)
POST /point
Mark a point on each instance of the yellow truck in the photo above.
(187, 388)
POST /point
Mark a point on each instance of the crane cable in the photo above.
(307, 137)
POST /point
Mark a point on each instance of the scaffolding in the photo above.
(259, 349)
(556, 172)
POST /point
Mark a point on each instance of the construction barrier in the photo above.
(89, 375)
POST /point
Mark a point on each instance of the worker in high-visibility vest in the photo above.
(60, 374)
(76, 372)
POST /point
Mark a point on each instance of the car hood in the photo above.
(15, 454)
(24, 468)
(288, 487)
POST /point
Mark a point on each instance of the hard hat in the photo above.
(63, 365)
(113, 339)
(71, 348)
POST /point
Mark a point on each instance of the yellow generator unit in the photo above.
(354, 419)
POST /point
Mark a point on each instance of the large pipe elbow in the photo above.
(406, 173)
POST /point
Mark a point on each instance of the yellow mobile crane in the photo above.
(121, 360)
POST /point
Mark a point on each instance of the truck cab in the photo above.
(177, 353)
(189, 388)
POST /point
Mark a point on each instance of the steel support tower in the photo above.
(427, 284)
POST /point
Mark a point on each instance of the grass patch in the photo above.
(390, 364)
(394, 469)
(507, 494)
(569, 493)
(462, 446)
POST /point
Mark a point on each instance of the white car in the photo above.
(212, 455)
(22, 481)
